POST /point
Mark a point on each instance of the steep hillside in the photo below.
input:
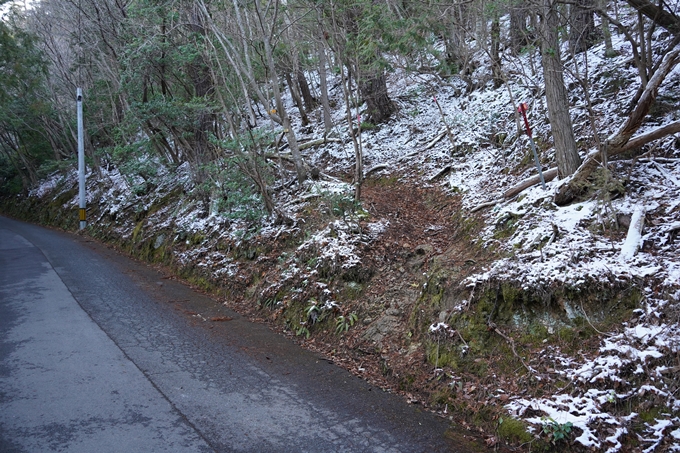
(535, 325)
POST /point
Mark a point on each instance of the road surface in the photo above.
(100, 354)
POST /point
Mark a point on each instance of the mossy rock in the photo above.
(513, 430)
(539, 312)
(530, 318)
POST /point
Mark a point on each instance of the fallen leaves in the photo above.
(221, 318)
(491, 441)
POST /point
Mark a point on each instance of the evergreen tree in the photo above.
(24, 146)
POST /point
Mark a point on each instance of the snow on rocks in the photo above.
(579, 412)
(631, 364)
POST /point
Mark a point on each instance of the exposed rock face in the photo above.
(383, 327)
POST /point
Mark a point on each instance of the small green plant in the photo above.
(283, 257)
(270, 302)
(342, 205)
(366, 126)
(230, 189)
(302, 330)
(343, 323)
(611, 397)
(314, 312)
(556, 431)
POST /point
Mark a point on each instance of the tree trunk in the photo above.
(643, 64)
(609, 51)
(582, 25)
(355, 134)
(622, 140)
(518, 27)
(306, 93)
(374, 91)
(646, 101)
(296, 98)
(279, 116)
(665, 19)
(496, 68)
(327, 121)
(556, 94)
(201, 79)
(285, 120)
(457, 52)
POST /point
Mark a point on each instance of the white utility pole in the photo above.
(81, 160)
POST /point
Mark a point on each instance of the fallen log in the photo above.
(272, 156)
(436, 140)
(634, 237)
(375, 168)
(548, 175)
(574, 187)
(440, 173)
(317, 142)
(665, 160)
(485, 205)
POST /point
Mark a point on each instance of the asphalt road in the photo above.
(99, 353)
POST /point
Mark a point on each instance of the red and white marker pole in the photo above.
(523, 110)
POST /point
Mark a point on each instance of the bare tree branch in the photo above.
(658, 15)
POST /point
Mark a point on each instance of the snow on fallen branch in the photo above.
(548, 175)
(634, 236)
(319, 141)
(518, 188)
(488, 204)
(666, 174)
(436, 140)
(376, 168)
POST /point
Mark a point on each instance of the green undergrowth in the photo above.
(513, 430)
(54, 212)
